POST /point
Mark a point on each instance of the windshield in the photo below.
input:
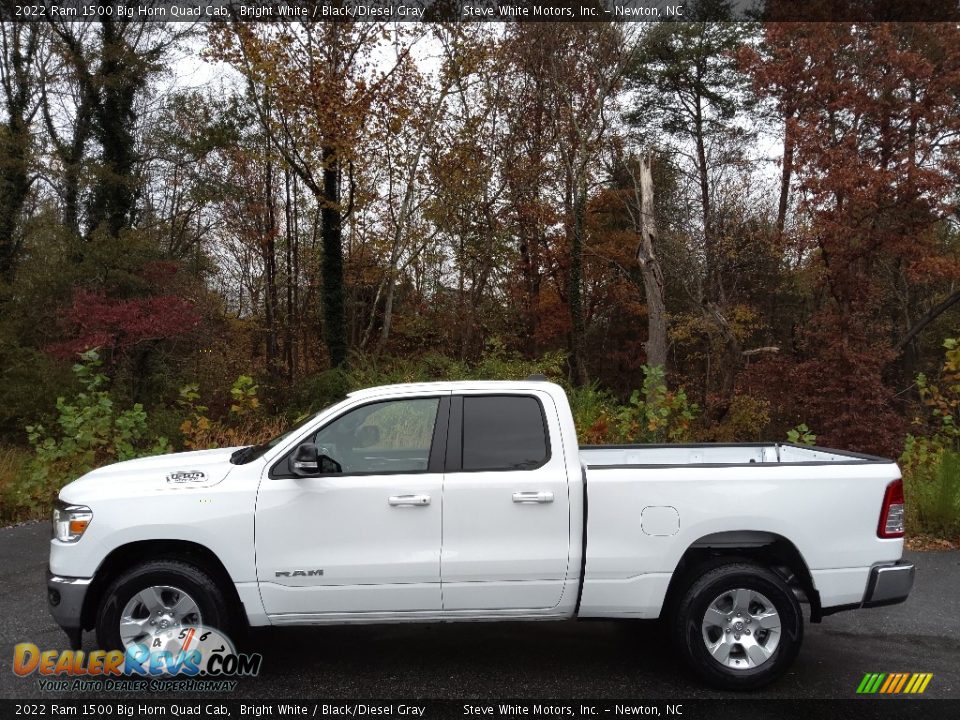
(252, 452)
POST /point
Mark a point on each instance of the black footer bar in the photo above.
(741, 708)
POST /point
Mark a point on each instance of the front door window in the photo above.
(385, 437)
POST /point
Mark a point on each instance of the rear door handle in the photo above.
(412, 500)
(543, 496)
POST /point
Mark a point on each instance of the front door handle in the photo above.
(412, 500)
(543, 496)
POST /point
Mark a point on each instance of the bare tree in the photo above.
(642, 216)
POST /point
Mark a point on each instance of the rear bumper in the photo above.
(65, 596)
(889, 584)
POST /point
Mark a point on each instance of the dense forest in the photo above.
(707, 231)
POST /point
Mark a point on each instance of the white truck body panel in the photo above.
(628, 568)
(502, 555)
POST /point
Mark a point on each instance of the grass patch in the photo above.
(20, 499)
(932, 492)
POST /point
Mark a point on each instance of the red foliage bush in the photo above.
(117, 325)
(835, 386)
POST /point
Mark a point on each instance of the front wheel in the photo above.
(738, 626)
(160, 595)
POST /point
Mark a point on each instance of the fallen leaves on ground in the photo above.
(928, 542)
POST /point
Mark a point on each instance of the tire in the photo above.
(171, 581)
(731, 651)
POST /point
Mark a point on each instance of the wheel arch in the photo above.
(764, 548)
(129, 555)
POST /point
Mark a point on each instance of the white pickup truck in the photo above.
(472, 501)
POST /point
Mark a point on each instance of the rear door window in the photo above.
(503, 432)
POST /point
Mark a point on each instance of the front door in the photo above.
(365, 539)
(506, 525)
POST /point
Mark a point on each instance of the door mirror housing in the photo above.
(307, 461)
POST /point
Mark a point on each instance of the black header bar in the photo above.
(482, 10)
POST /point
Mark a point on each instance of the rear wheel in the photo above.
(738, 626)
(159, 595)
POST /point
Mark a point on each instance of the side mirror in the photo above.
(305, 461)
(308, 462)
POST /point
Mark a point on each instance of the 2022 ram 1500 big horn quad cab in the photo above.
(472, 501)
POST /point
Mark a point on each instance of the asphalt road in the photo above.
(527, 660)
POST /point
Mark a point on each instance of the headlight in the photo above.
(70, 521)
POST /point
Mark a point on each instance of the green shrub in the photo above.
(244, 424)
(941, 399)
(656, 414)
(592, 409)
(745, 420)
(931, 485)
(30, 382)
(89, 431)
(931, 459)
(801, 435)
(318, 391)
(653, 414)
(243, 394)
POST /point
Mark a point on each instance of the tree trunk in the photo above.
(786, 172)
(704, 181)
(530, 271)
(15, 142)
(301, 361)
(650, 269)
(269, 252)
(288, 222)
(577, 323)
(14, 187)
(387, 314)
(121, 76)
(334, 317)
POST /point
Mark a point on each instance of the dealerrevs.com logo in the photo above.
(182, 658)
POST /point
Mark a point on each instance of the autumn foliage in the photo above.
(346, 202)
(873, 134)
(118, 325)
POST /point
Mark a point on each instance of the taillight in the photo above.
(891, 513)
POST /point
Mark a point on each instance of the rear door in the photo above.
(506, 510)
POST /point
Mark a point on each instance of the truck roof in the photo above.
(453, 386)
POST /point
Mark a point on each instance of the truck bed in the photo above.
(647, 504)
(717, 455)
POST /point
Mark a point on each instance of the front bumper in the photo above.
(889, 584)
(65, 596)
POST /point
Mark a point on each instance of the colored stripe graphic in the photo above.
(894, 683)
(903, 680)
(913, 681)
